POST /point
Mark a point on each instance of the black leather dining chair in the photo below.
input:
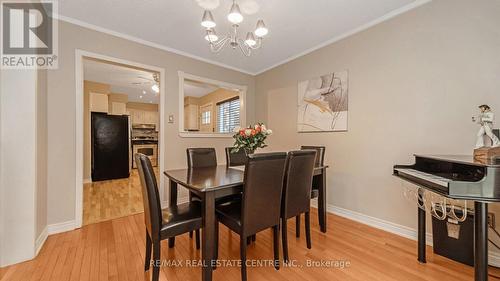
(318, 162)
(160, 223)
(235, 159)
(204, 158)
(296, 196)
(200, 158)
(259, 208)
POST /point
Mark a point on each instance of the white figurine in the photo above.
(486, 122)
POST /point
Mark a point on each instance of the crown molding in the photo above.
(388, 16)
(147, 43)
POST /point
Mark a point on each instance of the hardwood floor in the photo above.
(114, 250)
(105, 200)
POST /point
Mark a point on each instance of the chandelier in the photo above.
(252, 41)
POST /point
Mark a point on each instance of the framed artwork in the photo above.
(323, 103)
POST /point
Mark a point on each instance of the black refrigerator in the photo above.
(110, 146)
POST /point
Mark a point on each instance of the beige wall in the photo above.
(61, 107)
(414, 82)
(41, 152)
(23, 150)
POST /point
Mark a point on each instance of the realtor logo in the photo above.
(29, 35)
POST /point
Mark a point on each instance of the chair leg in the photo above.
(190, 234)
(156, 258)
(308, 229)
(243, 256)
(216, 249)
(284, 239)
(249, 240)
(149, 245)
(197, 238)
(297, 226)
(276, 244)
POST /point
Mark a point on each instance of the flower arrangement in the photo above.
(250, 138)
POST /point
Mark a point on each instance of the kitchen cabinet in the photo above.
(191, 117)
(98, 102)
(144, 117)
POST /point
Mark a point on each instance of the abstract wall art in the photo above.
(323, 103)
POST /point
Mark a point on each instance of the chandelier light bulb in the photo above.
(250, 40)
(235, 15)
(208, 20)
(261, 29)
(211, 36)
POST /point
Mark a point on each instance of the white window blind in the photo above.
(228, 115)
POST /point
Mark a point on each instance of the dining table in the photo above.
(211, 183)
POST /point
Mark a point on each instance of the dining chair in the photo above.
(299, 168)
(260, 206)
(204, 158)
(235, 159)
(160, 223)
(318, 162)
(200, 157)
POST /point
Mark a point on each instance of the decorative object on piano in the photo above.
(323, 103)
(485, 120)
(250, 138)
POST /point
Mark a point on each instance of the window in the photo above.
(205, 117)
(228, 115)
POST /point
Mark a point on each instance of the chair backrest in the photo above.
(201, 157)
(235, 159)
(299, 170)
(261, 201)
(150, 194)
(320, 154)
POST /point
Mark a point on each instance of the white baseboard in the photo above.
(61, 227)
(41, 240)
(87, 181)
(401, 230)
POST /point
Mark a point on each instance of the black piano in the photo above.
(457, 177)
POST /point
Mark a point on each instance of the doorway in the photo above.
(120, 104)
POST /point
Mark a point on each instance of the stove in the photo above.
(145, 140)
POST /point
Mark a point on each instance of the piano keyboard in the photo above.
(425, 176)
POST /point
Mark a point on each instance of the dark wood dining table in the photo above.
(211, 183)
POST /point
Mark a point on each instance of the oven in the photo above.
(148, 148)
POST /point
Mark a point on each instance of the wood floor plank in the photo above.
(114, 250)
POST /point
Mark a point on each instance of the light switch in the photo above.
(171, 118)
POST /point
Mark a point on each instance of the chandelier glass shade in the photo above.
(253, 39)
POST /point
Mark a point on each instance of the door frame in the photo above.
(79, 78)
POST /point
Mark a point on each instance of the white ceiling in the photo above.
(136, 84)
(295, 27)
(197, 89)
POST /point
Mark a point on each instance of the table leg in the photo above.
(322, 201)
(172, 201)
(480, 241)
(208, 235)
(421, 228)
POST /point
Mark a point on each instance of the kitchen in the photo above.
(121, 118)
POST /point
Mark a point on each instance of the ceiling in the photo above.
(197, 89)
(296, 27)
(135, 83)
